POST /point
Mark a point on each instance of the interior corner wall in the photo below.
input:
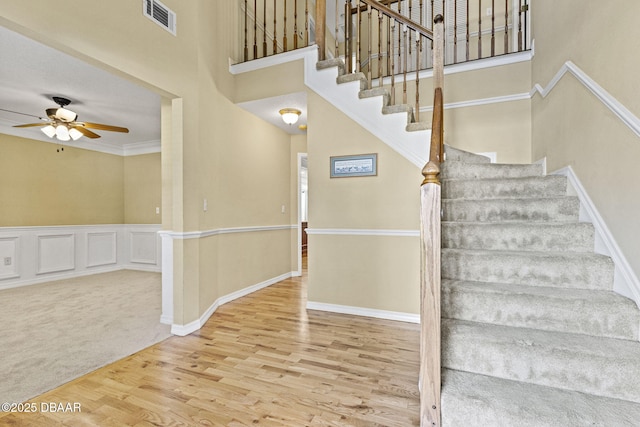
(571, 127)
(369, 271)
(142, 189)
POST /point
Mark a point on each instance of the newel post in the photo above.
(430, 243)
(321, 23)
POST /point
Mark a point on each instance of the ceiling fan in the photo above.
(63, 124)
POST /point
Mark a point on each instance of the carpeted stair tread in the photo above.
(418, 126)
(597, 313)
(601, 366)
(330, 63)
(453, 154)
(462, 170)
(556, 269)
(512, 209)
(542, 186)
(354, 77)
(478, 400)
(519, 236)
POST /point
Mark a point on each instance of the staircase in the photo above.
(532, 334)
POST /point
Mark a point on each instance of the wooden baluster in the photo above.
(493, 28)
(404, 65)
(306, 23)
(479, 29)
(246, 47)
(284, 35)
(337, 47)
(264, 28)
(467, 48)
(295, 24)
(275, 27)
(399, 38)
(416, 113)
(421, 21)
(393, 63)
(455, 31)
(520, 26)
(255, 29)
(369, 46)
(389, 39)
(410, 17)
(321, 19)
(380, 16)
(358, 36)
(347, 35)
(506, 26)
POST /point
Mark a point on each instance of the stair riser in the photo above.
(558, 209)
(578, 237)
(536, 362)
(455, 155)
(539, 312)
(458, 170)
(552, 186)
(555, 270)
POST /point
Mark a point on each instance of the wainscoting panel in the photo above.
(102, 248)
(143, 247)
(30, 255)
(9, 257)
(56, 253)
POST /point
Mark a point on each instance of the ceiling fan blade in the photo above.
(86, 132)
(103, 127)
(29, 125)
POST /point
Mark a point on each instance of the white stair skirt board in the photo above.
(365, 312)
(183, 330)
(625, 281)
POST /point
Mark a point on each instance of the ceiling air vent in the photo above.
(160, 14)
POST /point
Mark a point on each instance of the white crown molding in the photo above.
(625, 280)
(366, 312)
(183, 235)
(362, 232)
(138, 148)
(191, 327)
(627, 117)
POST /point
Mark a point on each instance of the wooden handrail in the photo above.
(430, 222)
(386, 10)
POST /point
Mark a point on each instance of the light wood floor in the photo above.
(260, 360)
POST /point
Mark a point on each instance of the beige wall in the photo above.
(142, 189)
(360, 270)
(46, 187)
(571, 127)
(208, 136)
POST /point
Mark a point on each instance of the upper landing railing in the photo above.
(473, 29)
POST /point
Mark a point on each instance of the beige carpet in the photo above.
(54, 332)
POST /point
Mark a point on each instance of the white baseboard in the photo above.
(625, 280)
(365, 312)
(182, 330)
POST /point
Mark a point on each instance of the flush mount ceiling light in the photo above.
(290, 115)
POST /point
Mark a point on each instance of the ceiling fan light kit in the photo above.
(63, 125)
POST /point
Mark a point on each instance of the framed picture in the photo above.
(350, 166)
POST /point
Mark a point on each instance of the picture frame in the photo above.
(354, 166)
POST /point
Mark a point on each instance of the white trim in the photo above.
(183, 235)
(270, 61)
(138, 148)
(362, 232)
(78, 255)
(366, 312)
(191, 327)
(625, 281)
(300, 156)
(627, 117)
(482, 101)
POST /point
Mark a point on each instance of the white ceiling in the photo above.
(31, 73)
